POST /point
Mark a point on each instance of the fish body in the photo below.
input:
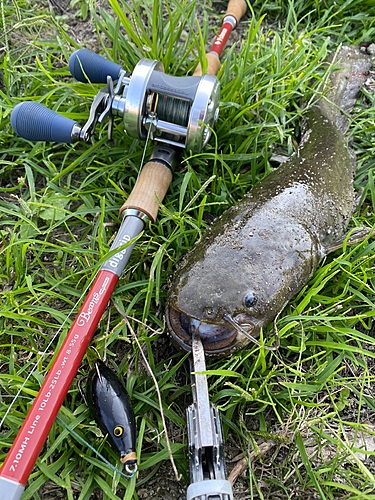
(110, 405)
(262, 251)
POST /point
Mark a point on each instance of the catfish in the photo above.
(260, 253)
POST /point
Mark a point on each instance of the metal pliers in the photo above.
(206, 443)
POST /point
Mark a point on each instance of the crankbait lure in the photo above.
(110, 405)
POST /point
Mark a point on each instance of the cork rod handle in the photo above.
(213, 65)
(237, 9)
(151, 186)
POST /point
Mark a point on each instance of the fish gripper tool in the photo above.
(206, 444)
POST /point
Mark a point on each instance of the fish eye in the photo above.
(117, 431)
(250, 300)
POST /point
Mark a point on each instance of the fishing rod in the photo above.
(178, 113)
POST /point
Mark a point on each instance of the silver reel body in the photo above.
(179, 110)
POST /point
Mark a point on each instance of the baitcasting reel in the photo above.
(180, 110)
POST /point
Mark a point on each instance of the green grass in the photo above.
(59, 213)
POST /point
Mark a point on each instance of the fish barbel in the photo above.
(254, 258)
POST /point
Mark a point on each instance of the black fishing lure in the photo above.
(110, 405)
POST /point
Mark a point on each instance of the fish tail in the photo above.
(352, 69)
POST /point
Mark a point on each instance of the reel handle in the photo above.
(151, 186)
(86, 66)
(34, 122)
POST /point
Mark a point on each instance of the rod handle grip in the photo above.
(35, 122)
(150, 189)
(237, 9)
(85, 66)
(213, 65)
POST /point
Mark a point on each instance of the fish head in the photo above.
(223, 292)
(231, 285)
(221, 307)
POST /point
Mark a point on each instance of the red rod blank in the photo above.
(222, 38)
(34, 431)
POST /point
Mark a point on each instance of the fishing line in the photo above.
(153, 117)
(47, 349)
(240, 329)
(131, 472)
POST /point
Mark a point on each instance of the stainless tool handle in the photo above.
(214, 489)
(206, 443)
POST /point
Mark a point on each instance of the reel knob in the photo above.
(34, 122)
(86, 66)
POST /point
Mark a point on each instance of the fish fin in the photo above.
(352, 69)
(353, 236)
(278, 159)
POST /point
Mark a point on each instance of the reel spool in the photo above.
(179, 110)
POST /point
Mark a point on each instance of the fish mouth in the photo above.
(217, 339)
